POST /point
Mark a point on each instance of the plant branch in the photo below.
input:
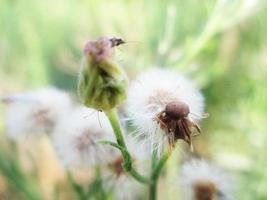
(159, 166)
(121, 145)
(156, 169)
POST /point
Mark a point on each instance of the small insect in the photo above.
(175, 119)
(116, 41)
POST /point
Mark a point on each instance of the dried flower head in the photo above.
(203, 181)
(76, 138)
(102, 83)
(175, 119)
(165, 107)
(35, 112)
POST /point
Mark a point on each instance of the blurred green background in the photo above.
(222, 45)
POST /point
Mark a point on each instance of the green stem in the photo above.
(114, 120)
(159, 166)
(153, 191)
(95, 189)
(154, 158)
(139, 177)
(100, 194)
(153, 185)
(156, 165)
(77, 187)
(156, 169)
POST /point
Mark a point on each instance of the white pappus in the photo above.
(149, 96)
(76, 137)
(200, 180)
(35, 112)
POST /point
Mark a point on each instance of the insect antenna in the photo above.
(133, 41)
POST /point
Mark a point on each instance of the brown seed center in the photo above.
(177, 110)
(205, 191)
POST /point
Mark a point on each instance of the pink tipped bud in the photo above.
(99, 49)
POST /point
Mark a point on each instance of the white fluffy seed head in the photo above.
(126, 188)
(35, 112)
(199, 179)
(150, 93)
(76, 137)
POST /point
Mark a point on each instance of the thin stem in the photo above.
(153, 191)
(95, 188)
(114, 120)
(159, 166)
(153, 185)
(100, 194)
(156, 169)
(77, 187)
(139, 177)
(154, 158)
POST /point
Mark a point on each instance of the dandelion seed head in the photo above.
(126, 188)
(201, 180)
(76, 139)
(35, 112)
(149, 95)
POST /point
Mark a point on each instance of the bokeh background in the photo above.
(222, 45)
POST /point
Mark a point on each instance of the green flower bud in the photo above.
(102, 83)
